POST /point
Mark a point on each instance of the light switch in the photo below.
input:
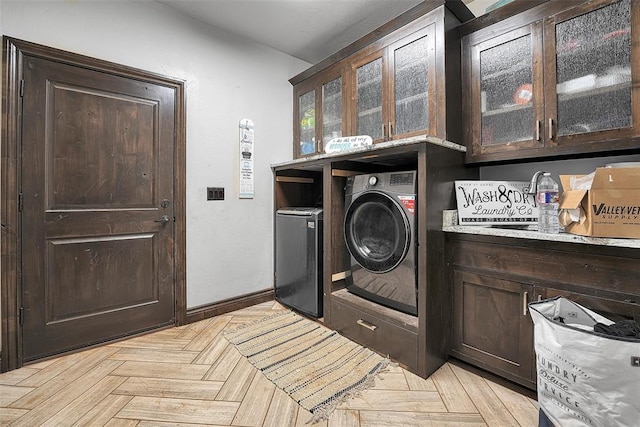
(215, 193)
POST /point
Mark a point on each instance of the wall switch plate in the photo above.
(215, 193)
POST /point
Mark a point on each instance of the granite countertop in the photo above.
(397, 142)
(450, 221)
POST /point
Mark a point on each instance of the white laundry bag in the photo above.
(585, 378)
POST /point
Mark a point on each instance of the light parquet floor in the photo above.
(192, 376)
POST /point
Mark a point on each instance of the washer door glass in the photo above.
(377, 232)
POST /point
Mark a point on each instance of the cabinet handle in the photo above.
(550, 128)
(538, 125)
(366, 325)
(384, 131)
(525, 297)
(390, 130)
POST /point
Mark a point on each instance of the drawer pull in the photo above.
(525, 297)
(366, 325)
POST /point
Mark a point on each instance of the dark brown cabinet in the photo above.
(420, 343)
(556, 80)
(318, 112)
(494, 278)
(400, 81)
(394, 88)
(491, 325)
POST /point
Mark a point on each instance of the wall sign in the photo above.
(246, 159)
(495, 202)
(346, 143)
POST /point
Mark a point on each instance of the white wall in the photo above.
(229, 243)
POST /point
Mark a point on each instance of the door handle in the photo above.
(525, 298)
(163, 219)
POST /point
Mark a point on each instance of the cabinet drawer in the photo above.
(599, 268)
(377, 334)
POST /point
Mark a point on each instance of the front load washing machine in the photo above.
(380, 234)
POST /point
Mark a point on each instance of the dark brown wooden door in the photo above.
(492, 327)
(97, 208)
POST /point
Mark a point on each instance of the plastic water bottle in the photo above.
(548, 198)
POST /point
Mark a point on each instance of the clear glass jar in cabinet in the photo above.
(317, 113)
(393, 88)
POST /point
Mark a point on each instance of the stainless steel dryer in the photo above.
(380, 233)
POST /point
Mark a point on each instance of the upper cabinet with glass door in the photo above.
(401, 80)
(589, 60)
(558, 86)
(394, 88)
(306, 124)
(506, 92)
(317, 114)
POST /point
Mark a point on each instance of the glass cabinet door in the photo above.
(369, 118)
(593, 71)
(332, 109)
(307, 125)
(510, 90)
(411, 64)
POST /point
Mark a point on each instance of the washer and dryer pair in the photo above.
(380, 231)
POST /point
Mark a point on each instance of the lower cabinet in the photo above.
(371, 328)
(491, 325)
(494, 278)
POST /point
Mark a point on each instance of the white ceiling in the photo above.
(310, 30)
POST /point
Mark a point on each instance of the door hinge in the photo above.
(21, 316)
(20, 202)
(21, 90)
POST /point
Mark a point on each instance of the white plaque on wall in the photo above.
(246, 159)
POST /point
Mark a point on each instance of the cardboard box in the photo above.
(611, 208)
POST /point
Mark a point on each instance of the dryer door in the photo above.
(377, 231)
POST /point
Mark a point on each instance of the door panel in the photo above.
(73, 263)
(369, 96)
(590, 73)
(98, 262)
(510, 110)
(492, 327)
(411, 62)
(85, 172)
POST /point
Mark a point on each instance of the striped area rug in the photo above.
(314, 365)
